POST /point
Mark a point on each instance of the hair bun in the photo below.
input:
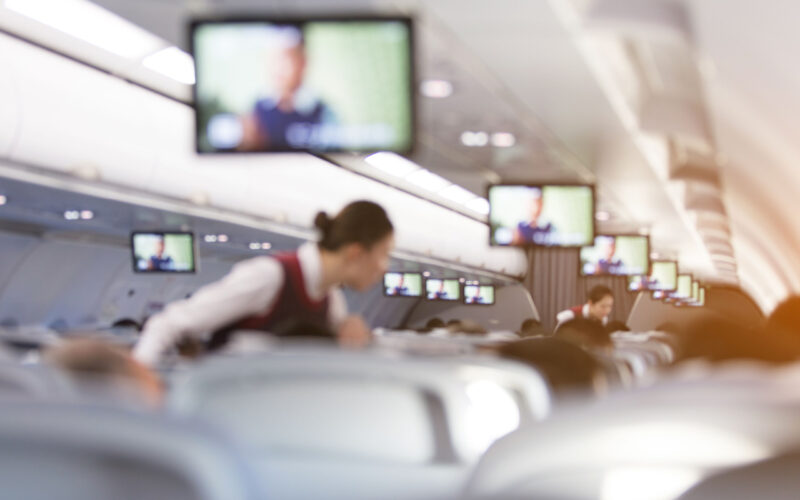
(323, 222)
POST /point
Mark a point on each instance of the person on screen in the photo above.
(264, 294)
(476, 298)
(158, 261)
(608, 264)
(531, 231)
(293, 117)
(597, 308)
(400, 288)
(440, 294)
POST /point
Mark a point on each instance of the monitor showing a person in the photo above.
(402, 284)
(320, 85)
(543, 215)
(663, 275)
(443, 289)
(479, 294)
(620, 255)
(684, 288)
(161, 252)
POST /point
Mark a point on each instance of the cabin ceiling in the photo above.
(680, 118)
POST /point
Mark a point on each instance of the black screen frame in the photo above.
(591, 187)
(677, 272)
(454, 301)
(464, 295)
(164, 233)
(421, 281)
(634, 235)
(409, 21)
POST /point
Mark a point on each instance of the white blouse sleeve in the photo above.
(250, 288)
(337, 308)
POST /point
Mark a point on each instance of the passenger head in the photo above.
(785, 319)
(601, 301)
(289, 63)
(360, 238)
(566, 367)
(585, 333)
(532, 328)
(719, 339)
(101, 366)
(434, 323)
(617, 326)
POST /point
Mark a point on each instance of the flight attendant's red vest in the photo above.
(292, 307)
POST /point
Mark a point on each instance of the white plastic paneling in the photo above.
(76, 116)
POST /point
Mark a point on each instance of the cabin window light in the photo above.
(3, 200)
(503, 140)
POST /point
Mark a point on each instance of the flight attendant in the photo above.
(267, 293)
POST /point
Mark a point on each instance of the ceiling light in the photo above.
(210, 238)
(91, 23)
(222, 238)
(655, 255)
(72, 215)
(426, 274)
(87, 215)
(266, 246)
(457, 194)
(602, 215)
(3, 200)
(461, 280)
(173, 63)
(436, 89)
(392, 163)
(503, 139)
(480, 205)
(474, 139)
(255, 246)
(428, 180)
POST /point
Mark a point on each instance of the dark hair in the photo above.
(565, 366)
(617, 326)
(785, 319)
(532, 327)
(361, 222)
(599, 292)
(435, 323)
(584, 332)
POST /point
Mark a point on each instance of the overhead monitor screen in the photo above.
(684, 289)
(163, 252)
(402, 284)
(639, 282)
(695, 292)
(311, 84)
(542, 215)
(443, 289)
(663, 275)
(479, 294)
(620, 255)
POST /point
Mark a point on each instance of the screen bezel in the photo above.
(195, 23)
(464, 295)
(629, 235)
(677, 273)
(541, 186)
(164, 233)
(454, 301)
(421, 280)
